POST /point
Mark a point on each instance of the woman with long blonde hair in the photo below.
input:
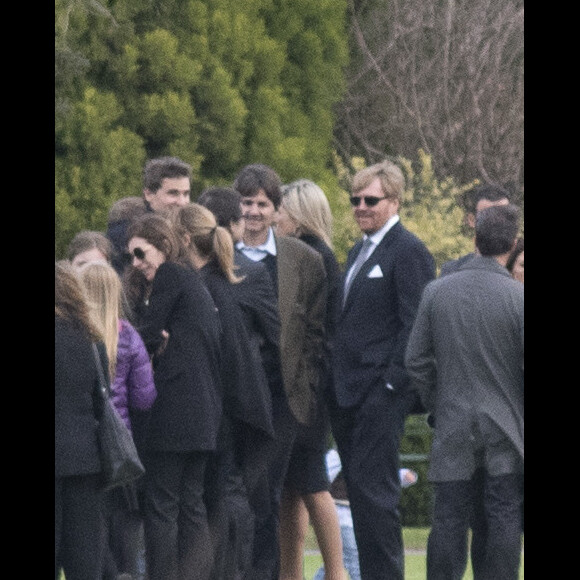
(304, 213)
(247, 419)
(78, 494)
(204, 239)
(133, 393)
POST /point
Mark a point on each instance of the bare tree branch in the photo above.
(442, 75)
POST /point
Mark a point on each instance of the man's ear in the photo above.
(147, 194)
(470, 220)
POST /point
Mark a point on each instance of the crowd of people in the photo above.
(245, 362)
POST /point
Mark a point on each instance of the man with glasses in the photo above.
(385, 275)
(166, 183)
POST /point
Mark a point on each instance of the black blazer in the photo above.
(332, 276)
(373, 327)
(76, 401)
(257, 298)
(187, 411)
(246, 396)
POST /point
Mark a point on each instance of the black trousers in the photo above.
(499, 558)
(368, 438)
(266, 548)
(177, 535)
(78, 527)
(123, 532)
(230, 517)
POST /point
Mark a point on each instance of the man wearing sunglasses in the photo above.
(166, 183)
(385, 275)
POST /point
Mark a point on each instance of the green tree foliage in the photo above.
(96, 165)
(218, 83)
(431, 210)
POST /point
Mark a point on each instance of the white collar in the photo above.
(259, 252)
(378, 236)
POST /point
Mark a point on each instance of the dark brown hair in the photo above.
(257, 176)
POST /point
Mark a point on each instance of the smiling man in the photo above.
(300, 281)
(385, 275)
(166, 183)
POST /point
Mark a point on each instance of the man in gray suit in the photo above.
(475, 200)
(465, 357)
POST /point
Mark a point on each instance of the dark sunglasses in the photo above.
(370, 200)
(138, 253)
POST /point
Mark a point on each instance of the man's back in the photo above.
(475, 319)
(454, 265)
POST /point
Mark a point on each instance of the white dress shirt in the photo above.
(376, 239)
(257, 253)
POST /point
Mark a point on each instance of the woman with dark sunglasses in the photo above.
(179, 324)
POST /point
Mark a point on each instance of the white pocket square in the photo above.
(376, 272)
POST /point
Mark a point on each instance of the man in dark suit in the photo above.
(379, 302)
(466, 359)
(300, 283)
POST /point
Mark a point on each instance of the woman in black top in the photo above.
(179, 324)
(246, 426)
(78, 495)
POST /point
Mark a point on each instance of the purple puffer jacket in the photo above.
(133, 386)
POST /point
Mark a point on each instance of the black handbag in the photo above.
(120, 461)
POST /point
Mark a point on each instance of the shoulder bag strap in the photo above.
(104, 388)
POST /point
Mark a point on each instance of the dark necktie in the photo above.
(360, 260)
(272, 266)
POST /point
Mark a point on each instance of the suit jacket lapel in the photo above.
(375, 258)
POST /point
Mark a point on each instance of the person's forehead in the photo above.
(485, 203)
(175, 184)
(259, 197)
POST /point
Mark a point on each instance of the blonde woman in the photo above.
(305, 213)
(133, 393)
(247, 419)
(78, 495)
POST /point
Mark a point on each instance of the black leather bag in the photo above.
(119, 458)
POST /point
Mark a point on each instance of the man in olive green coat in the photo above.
(300, 281)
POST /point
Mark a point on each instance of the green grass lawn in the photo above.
(415, 564)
